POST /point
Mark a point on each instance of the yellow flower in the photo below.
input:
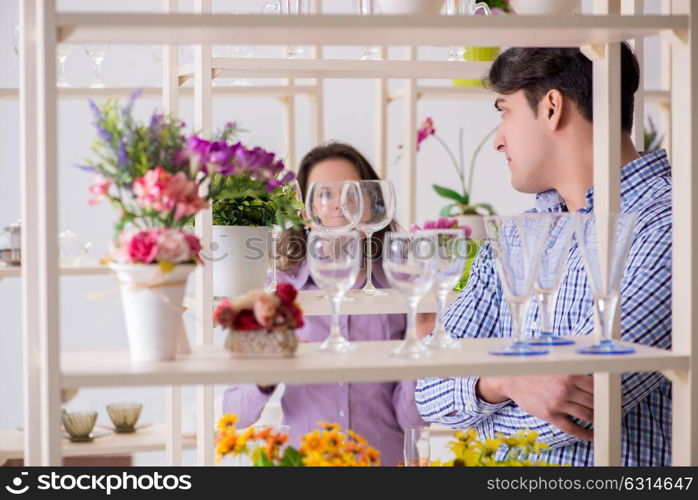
(329, 427)
(356, 437)
(311, 442)
(225, 444)
(226, 422)
(466, 436)
(332, 441)
(243, 438)
(491, 446)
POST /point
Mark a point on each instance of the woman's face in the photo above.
(327, 205)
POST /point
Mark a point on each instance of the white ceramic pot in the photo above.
(407, 7)
(546, 7)
(239, 257)
(152, 302)
(474, 222)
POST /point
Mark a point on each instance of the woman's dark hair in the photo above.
(539, 70)
(291, 246)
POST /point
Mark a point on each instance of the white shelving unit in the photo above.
(47, 369)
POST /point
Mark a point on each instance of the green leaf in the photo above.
(291, 458)
(487, 207)
(446, 211)
(263, 461)
(450, 194)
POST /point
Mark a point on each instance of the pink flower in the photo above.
(224, 315)
(425, 130)
(173, 247)
(442, 223)
(194, 246)
(149, 188)
(100, 189)
(159, 190)
(143, 247)
(265, 309)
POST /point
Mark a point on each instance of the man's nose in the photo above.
(499, 143)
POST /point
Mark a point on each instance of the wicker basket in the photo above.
(262, 343)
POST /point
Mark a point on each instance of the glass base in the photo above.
(338, 346)
(549, 339)
(271, 288)
(519, 349)
(443, 341)
(344, 298)
(97, 85)
(605, 347)
(413, 349)
(375, 292)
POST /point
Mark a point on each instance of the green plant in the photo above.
(653, 139)
(502, 5)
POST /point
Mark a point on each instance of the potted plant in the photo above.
(145, 172)
(251, 193)
(496, 7)
(267, 447)
(460, 204)
(261, 324)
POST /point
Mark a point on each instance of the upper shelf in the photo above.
(232, 29)
(371, 362)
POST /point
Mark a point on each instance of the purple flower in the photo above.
(131, 101)
(104, 135)
(253, 159)
(122, 156)
(86, 168)
(155, 123)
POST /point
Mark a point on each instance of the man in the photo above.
(545, 100)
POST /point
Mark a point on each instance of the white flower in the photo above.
(173, 247)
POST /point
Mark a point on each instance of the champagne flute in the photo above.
(334, 259)
(555, 253)
(605, 265)
(379, 210)
(367, 8)
(96, 53)
(295, 188)
(517, 244)
(461, 8)
(409, 262)
(451, 256)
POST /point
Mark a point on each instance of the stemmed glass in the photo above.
(295, 188)
(416, 447)
(367, 8)
(334, 259)
(555, 253)
(461, 8)
(97, 52)
(409, 262)
(63, 51)
(334, 206)
(291, 8)
(15, 39)
(451, 254)
(379, 210)
(517, 244)
(604, 259)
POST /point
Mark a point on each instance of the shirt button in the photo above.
(534, 325)
(341, 384)
(341, 413)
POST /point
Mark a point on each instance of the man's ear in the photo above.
(552, 108)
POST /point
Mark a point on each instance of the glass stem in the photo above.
(411, 333)
(369, 263)
(335, 301)
(441, 295)
(518, 312)
(606, 309)
(545, 305)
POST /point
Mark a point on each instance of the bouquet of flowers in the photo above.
(521, 448)
(258, 310)
(158, 178)
(328, 446)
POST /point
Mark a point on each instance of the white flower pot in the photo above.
(474, 222)
(407, 7)
(152, 302)
(239, 258)
(546, 7)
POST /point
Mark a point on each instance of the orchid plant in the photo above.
(460, 203)
(158, 179)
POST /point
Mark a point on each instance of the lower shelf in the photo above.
(148, 439)
(370, 362)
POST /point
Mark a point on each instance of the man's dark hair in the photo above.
(539, 70)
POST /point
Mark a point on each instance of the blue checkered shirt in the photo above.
(479, 311)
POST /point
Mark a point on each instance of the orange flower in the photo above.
(330, 427)
(226, 422)
(356, 437)
(373, 456)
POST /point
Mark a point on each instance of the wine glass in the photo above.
(461, 8)
(605, 264)
(555, 253)
(334, 206)
(290, 8)
(292, 187)
(451, 256)
(409, 262)
(379, 210)
(63, 51)
(517, 244)
(334, 259)
(416, 447)
(367, 8)
(96, 53)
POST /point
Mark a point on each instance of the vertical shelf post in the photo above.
(409, 204)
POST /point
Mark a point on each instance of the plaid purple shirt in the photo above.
(479, 311)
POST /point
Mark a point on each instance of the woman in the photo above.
(378, 411)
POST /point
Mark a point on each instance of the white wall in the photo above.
(349, 112)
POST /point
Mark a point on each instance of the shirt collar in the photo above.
(634, 177)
